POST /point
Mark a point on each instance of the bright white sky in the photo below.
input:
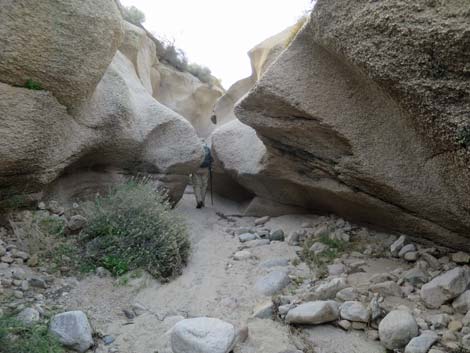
(219, 33)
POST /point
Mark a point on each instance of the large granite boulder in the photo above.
(363, 115)
(65, 46)
(96, 123)
(136, 134)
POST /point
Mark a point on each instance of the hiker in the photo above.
(200, 178)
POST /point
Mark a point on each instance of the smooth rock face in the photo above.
(445, 287)
(314, 313)
(202, 335)
(186, 95)
(147, 137)
(53, 44)
(72, 330)
(322, 105)
(397, 329)
(272, 283)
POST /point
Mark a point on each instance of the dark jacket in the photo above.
(207, 162)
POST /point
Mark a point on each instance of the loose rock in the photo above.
(445, 287)
(202, 335)
(314, 313)
(397, 329)
(72, 330)
(272, 283)
(354, 311)
(422, 343)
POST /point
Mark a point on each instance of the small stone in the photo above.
(202, 335)
(462, 303)
(264, 310)
(344, 324)
(347, 294)
(255, 243)
(466, 341)
(73, 330)
(411, 256)
(422, 343)
(277, 235)
(247, 237)
(439, 321)
(7, 259)
(130, 315)
(431, 260)
(397, 329)
(21, 255)
(397, 245)
(55, 208)
(313, 313)
(449, 336)
(242, 255)
(329, 289)
(373, 335)
(18, 273)
(262, 221)
(275, 263)
(415, 276)
(387, 289)
(381, 277)
(28, 316)
(102, 272)
(18, 294)
(460, 257)
(33, 261)
(77, 223)
(37, 282)
(455, 326)
(272, 283)
(318, 248)
(336, 269)
(138, 309)
(354, 311)
(466, 319)
(107, 340)
(406, 249)
(356, 325)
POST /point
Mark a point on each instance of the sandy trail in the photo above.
(212, 284)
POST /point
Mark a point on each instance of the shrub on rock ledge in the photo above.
(134, 227)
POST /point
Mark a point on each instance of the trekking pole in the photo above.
(210, 181)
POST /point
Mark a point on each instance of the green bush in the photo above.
(16, 337)
(133, 227)
(463, 136)
(174, 56)
(201, 72)
(30, 84)
(133, 15)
